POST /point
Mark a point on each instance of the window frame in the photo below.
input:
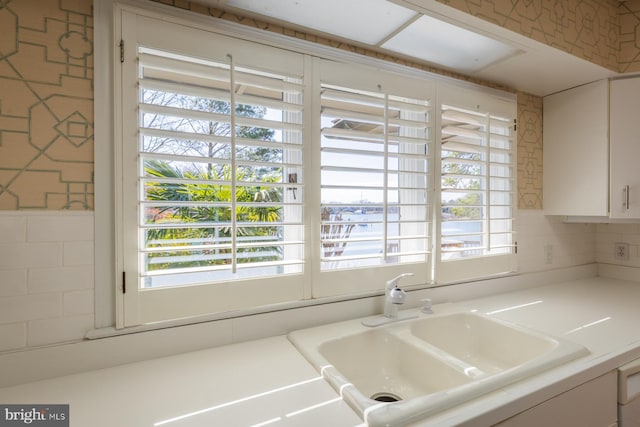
(329, 283)
(144, 305)
(107, 239)
(467, 269)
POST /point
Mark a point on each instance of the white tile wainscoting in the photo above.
(609, 234)
(570, 244)
(47, 268)
(46, 277)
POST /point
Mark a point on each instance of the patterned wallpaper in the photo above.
(46, 86)
(46, 104)
(529, 151)
(584, 28)
(629, 37)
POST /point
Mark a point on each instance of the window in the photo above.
(376, 177)
(477, 189)
(213, 163)
(254, 175)
(220, 196)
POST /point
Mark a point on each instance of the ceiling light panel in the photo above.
(365, 21)
(447, 45)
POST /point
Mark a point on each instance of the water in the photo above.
(370, 225)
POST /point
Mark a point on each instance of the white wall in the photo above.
(46, 278)
(608, 234)
(569, 244)
(47, 283)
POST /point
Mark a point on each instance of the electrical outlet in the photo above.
(621, 251)
(548, 254)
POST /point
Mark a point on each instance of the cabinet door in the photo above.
(593, 404)
(576, 147)
(625, 148)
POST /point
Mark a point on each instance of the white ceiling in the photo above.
(433, 33)
(335, 17)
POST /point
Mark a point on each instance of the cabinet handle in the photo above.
(625, 197)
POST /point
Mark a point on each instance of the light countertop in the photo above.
(262, 382)
(602, 314)
(267, 382)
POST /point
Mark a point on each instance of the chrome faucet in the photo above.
(394, 296)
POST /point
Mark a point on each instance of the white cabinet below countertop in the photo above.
(592, 404)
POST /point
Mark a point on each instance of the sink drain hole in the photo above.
(386, 397)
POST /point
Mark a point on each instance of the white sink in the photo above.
(391, 366)
(487, 344)
(405, 371)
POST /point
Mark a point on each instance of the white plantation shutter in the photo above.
(186, 125)
(249, 175)
(478, 191)
(219, 179)
(375, 179)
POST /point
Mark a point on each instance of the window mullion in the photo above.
(487, 176)
(385, 196)
(234, 215)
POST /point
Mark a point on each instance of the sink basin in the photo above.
(402, 372)
(383, 366)
(482, 342)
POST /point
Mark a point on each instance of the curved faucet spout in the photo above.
(394, 282)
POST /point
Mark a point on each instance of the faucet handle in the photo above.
(394, 282)
(427, 305)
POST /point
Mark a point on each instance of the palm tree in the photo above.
(210, 203)
(202, 190)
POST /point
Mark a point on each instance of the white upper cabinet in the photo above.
(625, 148)
(576, 151)
(591, 137)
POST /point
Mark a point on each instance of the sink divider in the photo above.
(376, 413)
(473, 372)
